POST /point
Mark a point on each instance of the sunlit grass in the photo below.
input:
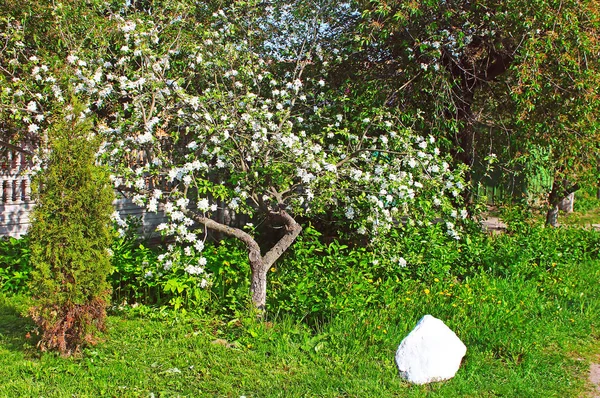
(526, 337)
(584, 218)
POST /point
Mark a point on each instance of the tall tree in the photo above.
(197, 112)
(520, 67)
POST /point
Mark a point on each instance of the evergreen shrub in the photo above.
(70, 236)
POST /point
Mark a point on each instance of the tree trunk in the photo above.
(258, 287)
(463, 151)
(552, 216)
(468, 75)
(566, 203)
(553, 200)
(260, 265)
(598, 182)
(559, 193)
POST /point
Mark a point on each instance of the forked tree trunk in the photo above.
(260, 265)
(560, 191)
(567, 203)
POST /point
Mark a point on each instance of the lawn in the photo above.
(526, 337)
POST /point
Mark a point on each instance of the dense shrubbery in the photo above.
(15, 267)
(139, 277)
(586, 199)
(316, 281)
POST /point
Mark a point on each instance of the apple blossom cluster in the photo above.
(30, 91)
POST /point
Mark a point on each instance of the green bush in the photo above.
(15, 267)
(141, 276)
(316, 281)
(70, 237)
(586, 199)
(131, 260)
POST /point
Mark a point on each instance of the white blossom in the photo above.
(203, 205)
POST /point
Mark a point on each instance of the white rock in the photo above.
(431, 352)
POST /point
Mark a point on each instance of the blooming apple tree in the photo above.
(194, 114)
(30, 90)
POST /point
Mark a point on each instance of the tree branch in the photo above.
(293, 230)
(253, 248)
(15, 148)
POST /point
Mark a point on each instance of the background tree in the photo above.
(489, 76)
(556, 96)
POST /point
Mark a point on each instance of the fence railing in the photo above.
(15, 180)
(15, 192)
(16, 202)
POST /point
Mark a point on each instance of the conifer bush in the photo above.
(70, 235)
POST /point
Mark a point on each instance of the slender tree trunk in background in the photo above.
(566, 203)
(467, 77)
(598, 171)
(552, 214)
(464, 148)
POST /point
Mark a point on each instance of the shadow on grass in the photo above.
(15, 328)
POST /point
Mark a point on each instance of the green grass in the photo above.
(526, 337)
(584, 218)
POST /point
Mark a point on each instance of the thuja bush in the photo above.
(70, 235)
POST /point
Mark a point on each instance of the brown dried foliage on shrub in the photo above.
(67, 328)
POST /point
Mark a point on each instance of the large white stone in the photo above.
(431, 352)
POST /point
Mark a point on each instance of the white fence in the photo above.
(15, 199)
(16, 203)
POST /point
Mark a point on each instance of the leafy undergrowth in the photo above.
(526, 337)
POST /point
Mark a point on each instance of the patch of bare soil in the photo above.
(594, 378)
(493, 225)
